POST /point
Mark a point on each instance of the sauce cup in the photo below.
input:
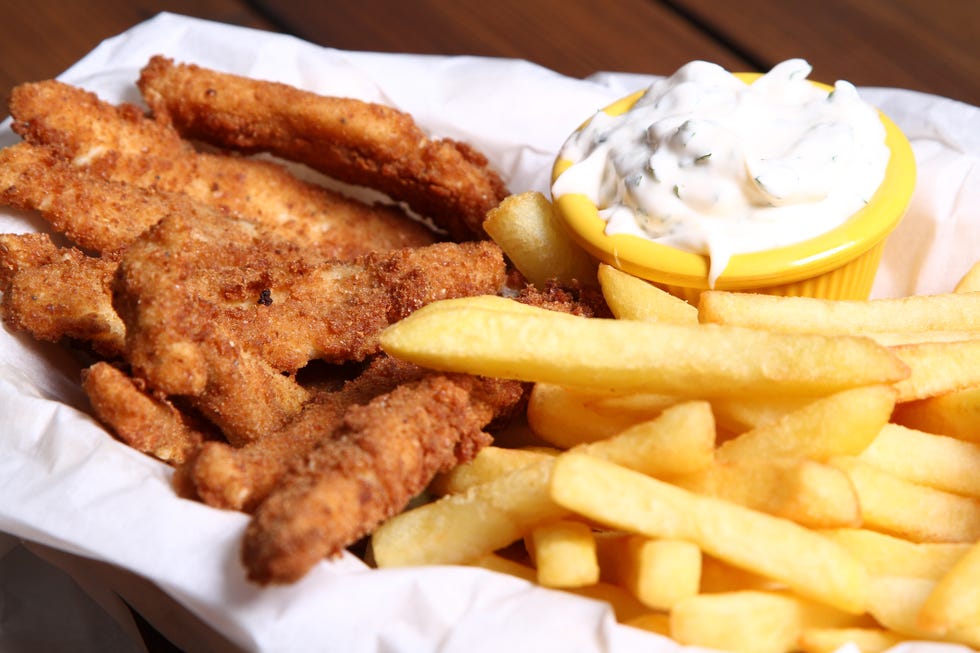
(839, 264)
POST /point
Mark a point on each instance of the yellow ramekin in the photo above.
(840, 264)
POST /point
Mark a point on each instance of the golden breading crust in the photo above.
(217, 309)
(207, 281)
(59, 293)
(382, 455)
(97, 214)
(239, 478)
(119, 143)
(357, 142)
(147, 423)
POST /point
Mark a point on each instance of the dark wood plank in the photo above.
(574, 37)
(926, 45)
(41, 38)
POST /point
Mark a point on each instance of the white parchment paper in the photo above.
(74, 491)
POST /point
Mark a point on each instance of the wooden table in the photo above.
(926, 45)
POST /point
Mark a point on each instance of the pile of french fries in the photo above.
(754, 473)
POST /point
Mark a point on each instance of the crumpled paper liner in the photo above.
(85, 498)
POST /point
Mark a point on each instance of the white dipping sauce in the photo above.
(706, 163)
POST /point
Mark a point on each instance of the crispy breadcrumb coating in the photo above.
(357, 142)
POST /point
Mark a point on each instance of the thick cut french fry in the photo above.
(657, 572)
(943, 312)
(632, 298)
(938, 368)
(564, 554)
(954, 603)
(896, 603)
(624, 605)
(839, 424)
(898, 338)
(939, 461)
(832, 640)
(719, 576)
(566, 417)
(749, 621)
(810, 493)
(956, 414)
(459, 527)
(910, 510)
(489, 516)
(697, 361)
(626, 500)
(502, 565)
(737, 415)
(887, 555)
(490, 463)
(525, 227)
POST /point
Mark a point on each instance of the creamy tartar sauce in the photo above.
(709, 164)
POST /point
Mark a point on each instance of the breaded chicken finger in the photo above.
(119, 143)
(97, 214)
(147, 423)
(350, 140)
(239, 478)
(59, 293)
(216, 309)
(383, 454)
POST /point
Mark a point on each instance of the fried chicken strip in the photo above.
(97, 214)
(147, 423)
(382, 455)
(217, 309)
(59, 293)
(121, 144)
(350, 140)
(240, 478)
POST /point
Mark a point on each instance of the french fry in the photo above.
(624, 605)
(679, 441)
(832, 640)
(899, 338)
(896, 603)
(941, 312)
(654, 622)
(842, 423)
(490, 463)
(632, 298)
(956, 414)
(938, 368)
(719, 576)
(910, 510)
(969, 282)
(805, 491)
(626, 500)
(740, 414)
(566, 417)
(888, 555)
(489, 516)
(954, 603)
(564, 554)
(697, 361)
(504, 565)
(657, 572)
(939, 462)
(525, 227)
(459, 527)
(774, 512)
(750, 621)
